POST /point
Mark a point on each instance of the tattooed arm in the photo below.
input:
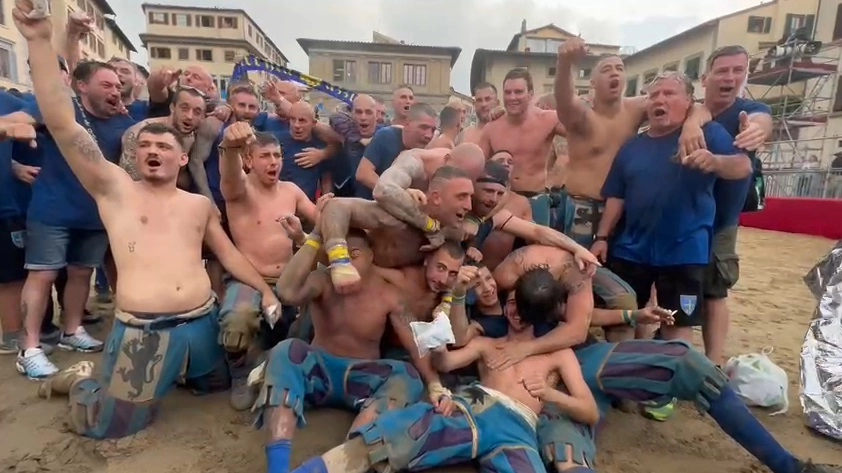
(339, 214)
(205, 137)
(127, 158)
(299, 283)
(577, 313)
(98, 176)
(400, 317)
(390, 191)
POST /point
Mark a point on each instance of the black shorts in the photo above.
(12, 253)
(679, 288)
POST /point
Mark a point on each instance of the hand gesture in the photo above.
(292, 225)
(586, 261)
(435, 240)
(162, 79)
(465, 279)
(309, 157)
(418, 196)
(18, 132)
(25, 173)
(573, 50)
(653, 315)
(31, 28)
(506, 355)
(600, 250)
(238, 135)
(271, 308)
(751, 136)
(701, 159)
(222, 113)
(536, 385)
(269, 90)
(473, 254)
(79, 24)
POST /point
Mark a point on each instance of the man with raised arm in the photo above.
(255, 202)
(495, 420)
(165, 326)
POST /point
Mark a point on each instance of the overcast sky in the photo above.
(469, 24)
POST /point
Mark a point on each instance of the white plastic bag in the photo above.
(759, 381)
(431, 335)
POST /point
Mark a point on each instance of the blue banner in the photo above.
(254, 64)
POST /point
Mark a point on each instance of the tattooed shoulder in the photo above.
(572, 277)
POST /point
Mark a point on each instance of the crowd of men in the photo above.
(196, 210)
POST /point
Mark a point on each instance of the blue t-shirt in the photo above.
(669, 208)
(731, 195)
(385, 146)
(212, 169)
(307, 179)
(58, 197)
(139, 110)
(9, 205)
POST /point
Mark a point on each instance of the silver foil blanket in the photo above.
(821, 352)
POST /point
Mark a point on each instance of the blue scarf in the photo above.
(254, 64)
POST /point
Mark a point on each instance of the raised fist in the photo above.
(573, 49)
(238, 135)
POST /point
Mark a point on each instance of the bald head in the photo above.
(302, 119)
(302, 109)
(198, 77)
(365, 114)
(364, 101)
(288, 90)
(469, 158)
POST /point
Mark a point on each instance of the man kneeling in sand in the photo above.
(494, 421)
(165, 327)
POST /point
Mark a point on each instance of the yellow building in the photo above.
(754, 28)
(106, 41)
(378, 67)
(535, 50)
(216, 38)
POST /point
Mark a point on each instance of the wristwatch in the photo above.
(600, 238)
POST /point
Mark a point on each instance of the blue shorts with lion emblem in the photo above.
(145, 357)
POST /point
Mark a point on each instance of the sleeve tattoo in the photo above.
(391, 194)
(127, 159)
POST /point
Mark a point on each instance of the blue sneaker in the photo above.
(34, 364)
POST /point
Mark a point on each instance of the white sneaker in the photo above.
(80, 341)
(34, 364)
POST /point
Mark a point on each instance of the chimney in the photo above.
(523, 26)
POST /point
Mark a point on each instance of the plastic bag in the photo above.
(759, 381)
(431, 335)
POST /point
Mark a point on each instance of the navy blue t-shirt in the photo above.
(212, 169)
(669, 208)
(58, 197)
(139, 110)
(385, 146)
(307, 179)
(731, 195)
(9, 205)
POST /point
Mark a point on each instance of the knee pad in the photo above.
(238, 328)
(288, 366)
(556, 432)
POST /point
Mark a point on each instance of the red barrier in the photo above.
(818, 217)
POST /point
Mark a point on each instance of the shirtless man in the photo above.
(186, 114)
(632, 371)
(527, 132)
(165, 318)
(596, 133)
(401, 187)
(255, 202)
(557, 163)
(485, 101)
(402, 98)
(499, 415)
(450, 124)
(342, 365)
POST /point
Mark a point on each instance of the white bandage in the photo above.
(431, 335)
(40, 10)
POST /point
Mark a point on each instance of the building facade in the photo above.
(216, 38)
(537, 51)
(377, 68)
(105, 42)
(756, 28)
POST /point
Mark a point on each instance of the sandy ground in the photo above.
(770, 307)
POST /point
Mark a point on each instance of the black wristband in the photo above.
(600, 238)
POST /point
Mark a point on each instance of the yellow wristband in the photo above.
(315, 244)
(447, 299)
(431, 225)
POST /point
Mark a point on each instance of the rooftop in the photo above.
(236, 11)
(513, 43)
(397, 48)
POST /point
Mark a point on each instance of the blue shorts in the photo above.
(545, 207)
(297, 373)
(483, 428)
(140, 365)
(50, 248)
(579, 217)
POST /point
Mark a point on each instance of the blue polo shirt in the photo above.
(382, 151)
(731, 195)
(669, 208)
(9, 185)
(58, 198)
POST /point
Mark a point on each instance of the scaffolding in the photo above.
(800, 89)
